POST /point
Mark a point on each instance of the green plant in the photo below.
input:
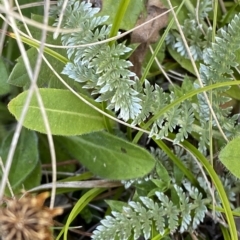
(140, 218)
(172, 192)
(194, 28)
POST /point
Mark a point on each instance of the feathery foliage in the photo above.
(101, 69)
(217, 67)
(99, 66)
(159, 212)
(140, 217)
(194, 29)
(178, 192)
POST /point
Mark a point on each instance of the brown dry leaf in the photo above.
(148, 33)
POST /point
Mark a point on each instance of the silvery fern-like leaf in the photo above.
(147, 102)
(170, 210)
(139, 217)
(157, 213)
(200, 208)
(162, 157)
(167, 123)
(228, 187)
(217, 68)
(112, 227)
(105, 232)
(185, 208)
(218, 65)
(193, 31)
(185, 121)
(99, 67)
(220, 58)
(161, 99)
(134, 221)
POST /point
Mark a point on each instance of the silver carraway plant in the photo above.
(101, 69)
(139, 217)
(195, 31)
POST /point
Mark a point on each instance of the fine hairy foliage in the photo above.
(100, 68)
(159, 212)
(194, 29)
(140, 217)
(178, 177)
(219, 62)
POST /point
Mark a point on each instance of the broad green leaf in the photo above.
(67, 114)
(6, 120)
(37, 33)
(4, 86)
(46, 78)
(145, 188)
(161, 186)
(5, 116)
(108, 156)
(33, 9)
(25, 170)
(230, 156)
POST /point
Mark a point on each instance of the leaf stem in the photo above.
(80, 205)
(218, 185)
(35, 44)
(118, 19)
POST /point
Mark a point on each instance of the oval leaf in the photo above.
(230, 157)
(67, 114)
(25, 170)
(108, 156)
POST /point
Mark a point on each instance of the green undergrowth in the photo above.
(141, 150)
